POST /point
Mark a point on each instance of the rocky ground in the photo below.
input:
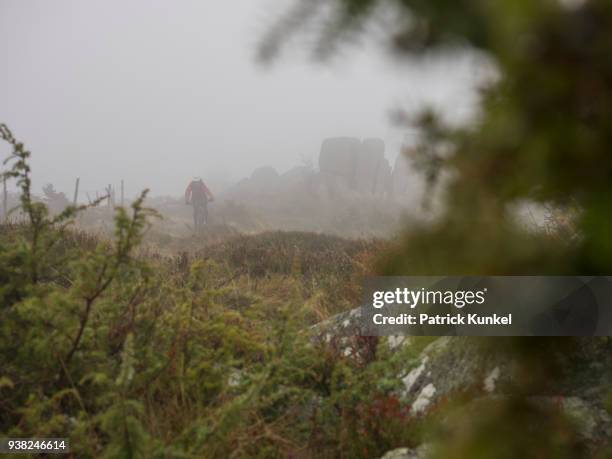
(454, 381)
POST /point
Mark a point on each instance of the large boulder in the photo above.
(297, 176)
(264, 183)
(408, 453)
(465, 368)
(264, 176)
(338, 159)
(346, 162)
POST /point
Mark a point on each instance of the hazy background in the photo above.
(156, 92)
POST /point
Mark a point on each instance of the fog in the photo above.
(155, 92)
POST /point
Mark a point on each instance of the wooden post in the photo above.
(4, 201)
(121, 192)
(76, 192)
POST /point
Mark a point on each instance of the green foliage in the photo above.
(152, 357)
(206, 356)
(480, 434)
(542, 136)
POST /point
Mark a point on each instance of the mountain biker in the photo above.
(198, 195)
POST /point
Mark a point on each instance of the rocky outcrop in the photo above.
(357, 165)
(264, 178)
(346, 165)
(408, 453)
(350, 193)
(337, 160)
(451, 368)
(297, 175)
(263, 182)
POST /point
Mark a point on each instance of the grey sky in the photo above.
(156, 91)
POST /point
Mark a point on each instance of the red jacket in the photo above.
(198, 192)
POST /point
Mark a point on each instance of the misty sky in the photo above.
(157, 91)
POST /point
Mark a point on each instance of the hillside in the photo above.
(211, 353)
(198, 354)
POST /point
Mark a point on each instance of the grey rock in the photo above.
(346, 162)
(592, 422)
(408, 453)
(263, 176)
(297, 175)
(338, 159)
